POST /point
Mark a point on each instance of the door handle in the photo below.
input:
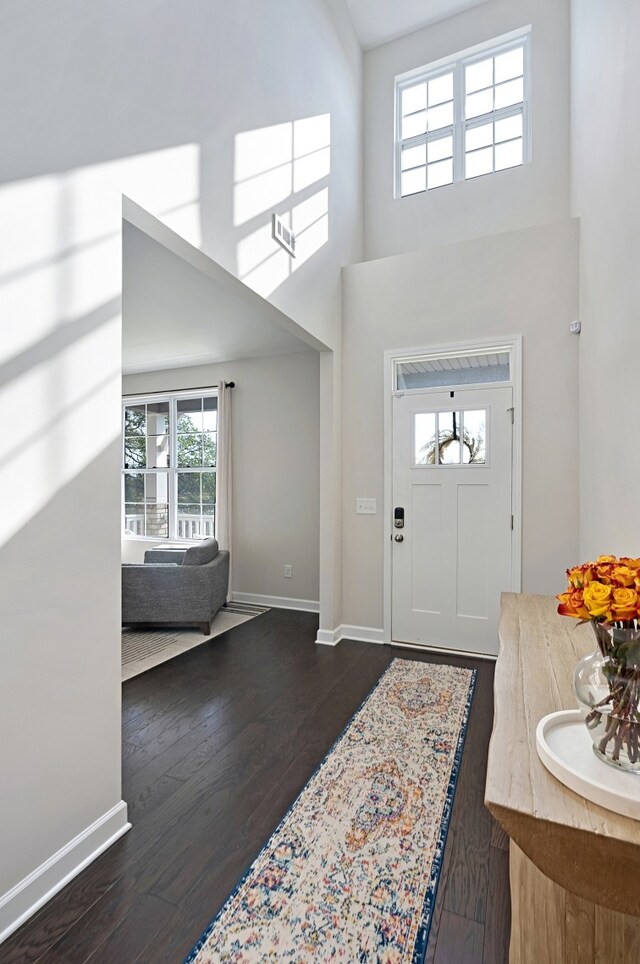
(399, 537)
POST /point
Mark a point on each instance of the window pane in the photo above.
(440, 149)
(189, 521)
(508, 154)
(208, 487)
(474, 435)
(510, 65)
(190, 415)
(134, 487)
(210, 414)
(424, 434)
(209, 449)
(158, 418)
(414, 124)
(440, 89)
(439, 174)
(157, 504)
(449, 430)
(133, 519)
(135, 422)
(413, 181)
(413, 156)
(439, 117)
(477, 76)
(189, 487)
(479, 162)
(480, 103)
(189, 451)
(135, 453)
(509, 128)
(158, 452)
(509, 93)
(414, 98)
(476, 137)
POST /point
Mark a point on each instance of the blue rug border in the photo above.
(429, 901)
(422, 937)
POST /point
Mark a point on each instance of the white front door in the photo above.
(452, 479)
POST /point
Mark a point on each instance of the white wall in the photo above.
(150, 99)
(276, 424)
(520, 282)
(536, 193)
(605, 165)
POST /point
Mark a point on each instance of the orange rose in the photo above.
(623, 576)
(631, 563)
(597, 599)
(580, 576)
(625, 603)
(572, 604)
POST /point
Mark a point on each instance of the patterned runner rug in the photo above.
(351, 872)
(144, 649)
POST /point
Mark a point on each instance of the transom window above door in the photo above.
(463, 117)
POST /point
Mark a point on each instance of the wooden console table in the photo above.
(574, 866)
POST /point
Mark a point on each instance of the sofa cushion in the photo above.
(201, 553)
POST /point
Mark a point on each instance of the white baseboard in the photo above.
(279, 602)
(327, 637)
(362, 634)
(28, 896)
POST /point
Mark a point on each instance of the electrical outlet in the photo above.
(288, 571)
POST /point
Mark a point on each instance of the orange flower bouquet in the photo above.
(606, 593)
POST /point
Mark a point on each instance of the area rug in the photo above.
(142, 650)
(352, 870)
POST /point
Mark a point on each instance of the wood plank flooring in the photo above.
(217, 744)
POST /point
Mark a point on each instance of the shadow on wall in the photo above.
(60, 287)
(279, 168)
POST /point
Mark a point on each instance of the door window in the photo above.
(450, 438)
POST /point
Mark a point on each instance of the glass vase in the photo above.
(607, 687)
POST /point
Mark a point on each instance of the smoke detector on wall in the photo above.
(283, 235)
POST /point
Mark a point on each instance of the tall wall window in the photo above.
(169, 465)
(464, 118)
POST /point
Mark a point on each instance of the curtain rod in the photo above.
(165, 391)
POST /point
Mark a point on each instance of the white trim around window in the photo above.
(461, 118)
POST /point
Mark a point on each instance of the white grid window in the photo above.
(464, 119)
(169, 449)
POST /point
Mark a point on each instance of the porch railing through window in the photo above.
(189, 526)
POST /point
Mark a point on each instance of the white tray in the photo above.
(565, 748)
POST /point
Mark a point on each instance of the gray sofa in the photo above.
(176, 587)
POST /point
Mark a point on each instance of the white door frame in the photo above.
(511, 343)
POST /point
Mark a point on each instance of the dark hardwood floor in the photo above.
(217, 744)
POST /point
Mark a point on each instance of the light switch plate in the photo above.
(366, 506)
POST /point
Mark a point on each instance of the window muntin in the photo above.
(169, 466)
(463, 120)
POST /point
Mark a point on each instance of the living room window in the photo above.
(464, 117)
(169, 465)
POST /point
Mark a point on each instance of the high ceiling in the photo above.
(378, 21)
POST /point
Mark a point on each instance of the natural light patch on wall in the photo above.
(278, 169)
(61, 256)
(60, 285)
